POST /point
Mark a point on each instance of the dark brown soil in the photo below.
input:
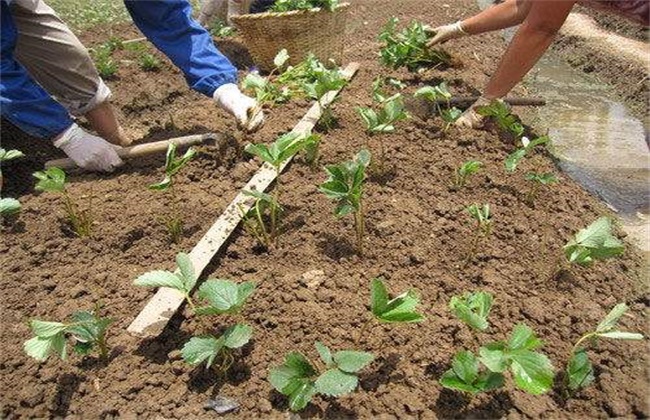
(418, 236)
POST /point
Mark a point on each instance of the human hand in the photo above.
(471, 118)
(88, 151)
(245, 109)
(445, 33)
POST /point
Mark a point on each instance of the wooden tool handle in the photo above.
(515, 101)
(143, 149)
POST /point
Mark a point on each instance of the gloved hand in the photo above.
(212, 9)
(471, 118)
(445, 33)
(88, 151)
(245, 109)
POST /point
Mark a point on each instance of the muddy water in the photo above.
(597, 142)
(595, 139)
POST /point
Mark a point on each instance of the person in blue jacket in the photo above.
(41, 58)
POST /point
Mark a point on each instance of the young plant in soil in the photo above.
(173, 164)
(408, 48)
(579, 371)
(483, 226)
(345, 186)
(595, 242)
(312, 150)
(149, 62)
(106, 66)
(382, 122)
(515, 157)
(53, 180)
(466, 170)
(473, 309)
(400, 309)
(538, 181)
(267, 92)
(449, 116)
(532, 371)
(326, 80)
(335, 375)
(86, 328)
(221, 297)
(275, 155)
(378, 94)
(255, 220)
(505, 120)
(289, 5)
(435, 94)
(8, 206)
(220, 29)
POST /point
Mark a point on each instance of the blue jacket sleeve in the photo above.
(22, 101)
(169, 25)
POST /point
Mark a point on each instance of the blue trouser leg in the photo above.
(22, 101)
(170, 27)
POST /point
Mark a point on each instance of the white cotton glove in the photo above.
(445, 33)
(88, 151)
(210, 10)
(245, 109)
(471, 118)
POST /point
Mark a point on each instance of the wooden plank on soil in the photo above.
(163, 305)
(144, 149)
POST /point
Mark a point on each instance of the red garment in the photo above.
(634, 10)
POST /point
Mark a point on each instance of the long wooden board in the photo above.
(163, 305)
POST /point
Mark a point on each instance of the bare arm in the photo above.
(544, 20)
(504, 15)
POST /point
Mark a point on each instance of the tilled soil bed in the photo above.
(418, 235)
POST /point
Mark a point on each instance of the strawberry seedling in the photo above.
(345, 185)
(300, 380)
(595, 242)
(289, 5)
(325, 81)
(392, 110)
(275, 155)
(408, 48)
(531, 370)
(465, 375)
(465, 171)
(515, 157)
(400, 309)
(449, 116)
(579, 371)
(173, 164)
(483, 226)
(473, 309)
(435, 94)
(220, 297)
(86, 328)
(53, 180)
(254, 220)
(220, 29)
(8, 206)
(538, 181)
(267, 92)
(500, 112)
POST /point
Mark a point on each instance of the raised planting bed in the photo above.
(313, 286)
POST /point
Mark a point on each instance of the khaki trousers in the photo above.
(55, 57)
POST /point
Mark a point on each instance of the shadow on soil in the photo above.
(67, 386)
(453, 405)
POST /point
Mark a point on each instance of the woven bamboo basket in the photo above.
(300, 32)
